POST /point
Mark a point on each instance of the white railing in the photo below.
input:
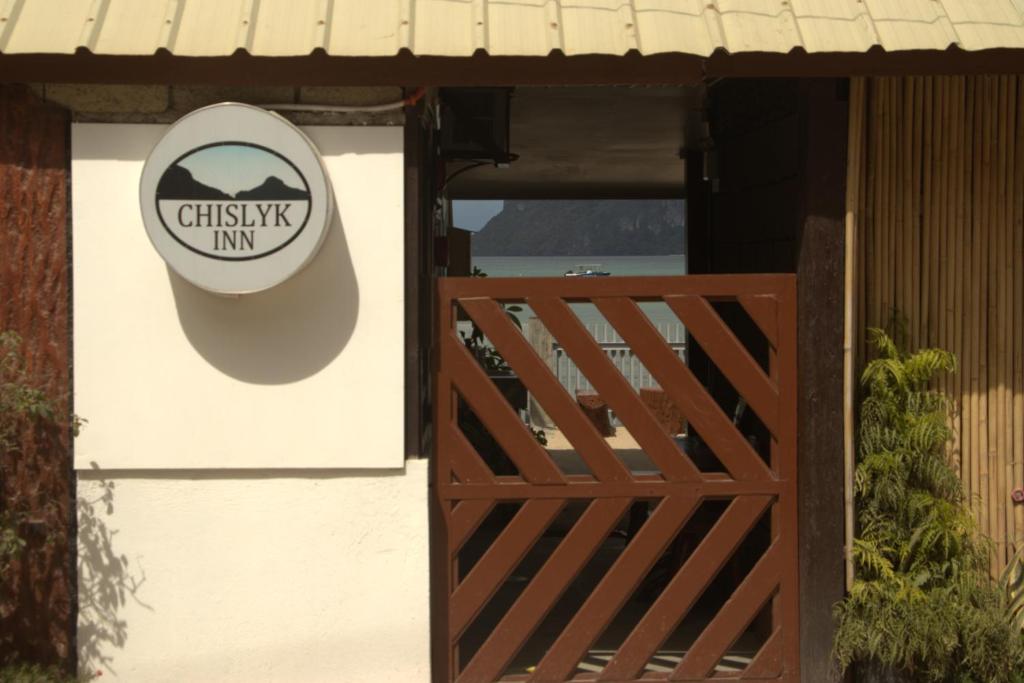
(619, 352)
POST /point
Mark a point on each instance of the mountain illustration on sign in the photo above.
(177, 182)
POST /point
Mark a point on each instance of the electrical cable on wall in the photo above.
(351, 109)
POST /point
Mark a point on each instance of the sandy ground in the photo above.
(623, 443)
(621, 440)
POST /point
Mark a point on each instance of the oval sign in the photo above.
(235, 198)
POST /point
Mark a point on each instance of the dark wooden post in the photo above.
(699, 246)
(414, 268)
(823, 117)
(37, 477)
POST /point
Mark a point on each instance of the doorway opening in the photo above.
(615, 439)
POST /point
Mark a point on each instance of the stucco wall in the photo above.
(213, 576)
(245, 512)
(306, 374)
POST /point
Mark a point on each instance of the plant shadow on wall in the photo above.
(281, 335)
(923, 606)
(35, 604)
(36, 611)
(106, 579)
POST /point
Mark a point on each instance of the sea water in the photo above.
(547, 266)
(557, 266)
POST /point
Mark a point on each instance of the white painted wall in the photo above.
(307, 374)
(319, 577)
(245, 510)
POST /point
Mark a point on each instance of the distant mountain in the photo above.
(177, 183)
(272, 188)
(583, 228)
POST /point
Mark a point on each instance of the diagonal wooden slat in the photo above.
(546, 388)
(465, 519)
(734, 617)
(497, 415)
(763, 309)
(768, 661)
(543, 591)
(617, 585)
(614, 388)
(730, 356)
(685, 588)
(466, 462)
(491, 570)
(728, 445)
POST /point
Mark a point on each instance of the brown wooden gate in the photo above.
(754, 485)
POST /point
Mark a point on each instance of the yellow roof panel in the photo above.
(660, 23)
(445, 27)
(504, 27)
(31, 26)
(131, 27)
(358, 32)
(834, 25)
(281, 26)
(209, 29)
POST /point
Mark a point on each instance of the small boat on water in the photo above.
(587, 270)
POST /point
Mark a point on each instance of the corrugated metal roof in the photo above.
(503, 27)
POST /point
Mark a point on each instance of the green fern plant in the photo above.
(19, 403)
(923, 604)
(1012, 583)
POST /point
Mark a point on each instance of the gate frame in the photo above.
(784, 455)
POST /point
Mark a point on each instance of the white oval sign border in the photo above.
(234, 122)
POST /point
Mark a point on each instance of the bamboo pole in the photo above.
(999, 324)
(911, 159)
(905, 223)
(944, 307)
(928, 240)
(1006, 456)
(853, 172)
(953, 287)
(873, 282)
(881, 202)
(893, 216)
(956, 276)
(864, 229)
(992, 326)
(888, 228)
(900, 183)
(968, 309)
(995, 425)
(1006, 314)
(963, 278)
(1017, 194)
(932, 218)
(940, 240)
(945, 237)
(974, 177)
(987, 284)
(1012, 304)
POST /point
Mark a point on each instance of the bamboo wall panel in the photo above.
(936, 231)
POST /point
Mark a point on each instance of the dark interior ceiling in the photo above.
(592, 142)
